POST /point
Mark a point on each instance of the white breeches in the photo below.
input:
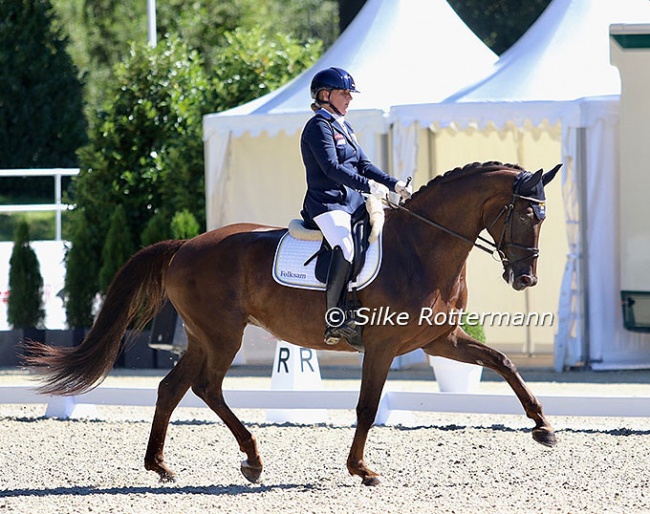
(337, 230)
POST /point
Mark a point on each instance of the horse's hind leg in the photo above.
(171, 390)
(209, 387)
(466, 349)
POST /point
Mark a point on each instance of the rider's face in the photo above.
(340, 98)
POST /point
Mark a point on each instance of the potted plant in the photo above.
(459, 377)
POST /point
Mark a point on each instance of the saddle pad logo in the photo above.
(291, 254)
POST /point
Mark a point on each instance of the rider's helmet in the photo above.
(332, 78)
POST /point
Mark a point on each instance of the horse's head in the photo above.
(515, 228)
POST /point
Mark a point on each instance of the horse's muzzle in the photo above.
(521, 281)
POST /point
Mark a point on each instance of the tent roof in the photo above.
(557, 67)
(398, 51)
(563, 56)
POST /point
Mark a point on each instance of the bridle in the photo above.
(496, 250)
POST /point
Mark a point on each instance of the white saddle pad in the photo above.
(291, 254)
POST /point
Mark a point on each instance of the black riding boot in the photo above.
(338, 325)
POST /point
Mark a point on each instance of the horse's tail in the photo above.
(133, 298)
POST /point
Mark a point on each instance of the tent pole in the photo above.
(581, 175)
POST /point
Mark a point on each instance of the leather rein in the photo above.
(492, 248)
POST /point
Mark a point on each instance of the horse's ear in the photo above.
(551, 174)
(530, 181)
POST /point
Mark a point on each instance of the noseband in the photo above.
(492, 248)
(533, 252)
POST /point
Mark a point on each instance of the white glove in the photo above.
(377, 189)
(405, 191)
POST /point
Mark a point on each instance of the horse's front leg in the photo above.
(376, 366)
(461, 347)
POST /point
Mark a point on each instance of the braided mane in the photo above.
(474, 167)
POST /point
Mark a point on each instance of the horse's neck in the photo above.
(437, 255)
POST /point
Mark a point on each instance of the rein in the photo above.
(492, 248)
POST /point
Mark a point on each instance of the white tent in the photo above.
(556, 84)
(398, 51)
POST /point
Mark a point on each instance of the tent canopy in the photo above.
(398, 51)
(562, 58)
(558, 77)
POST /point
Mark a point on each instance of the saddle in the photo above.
(302, 257)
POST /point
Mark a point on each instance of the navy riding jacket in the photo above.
(337, 168)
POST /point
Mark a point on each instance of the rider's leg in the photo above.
(336, 228)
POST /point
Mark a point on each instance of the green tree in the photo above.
(42, 122)
(157, 229)
(499, 23)
(80, 277)
(253, 64)
(155, 106)
(25, 306)
(146, 149)
(102, 31)
(184, 225)
(117, 250)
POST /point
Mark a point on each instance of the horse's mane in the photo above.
(468, 169)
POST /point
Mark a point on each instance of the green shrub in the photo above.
(117, 250)
(25, 306)
(474, 330)
(184, 225)
(157, 229)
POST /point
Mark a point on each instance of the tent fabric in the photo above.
(564, 56)
(558, 77)
(398, 51)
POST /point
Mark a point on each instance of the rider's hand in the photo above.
(405, 191)
(377, 189)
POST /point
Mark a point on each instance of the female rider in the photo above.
(338, 171)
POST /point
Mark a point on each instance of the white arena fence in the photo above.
(56, 206)
(392, 402)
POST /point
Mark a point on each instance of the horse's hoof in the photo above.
(167, 477)
(371, 481)
(252, 473)
(544, 436)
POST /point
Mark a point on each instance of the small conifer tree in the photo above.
(80, 277)
(118, 248)
(25, 307)
(184, 225)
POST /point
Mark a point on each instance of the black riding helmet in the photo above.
(332, 78)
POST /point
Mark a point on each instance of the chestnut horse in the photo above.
(221, 281)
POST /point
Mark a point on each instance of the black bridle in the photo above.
(492, 248)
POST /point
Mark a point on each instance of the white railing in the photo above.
(57, 206)
(391, 401)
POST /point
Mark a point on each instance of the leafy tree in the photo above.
(155, 105)
(25, 306)
(42, 122)
(253, 64)
(117, 250)
(146, 149)
(103, 30)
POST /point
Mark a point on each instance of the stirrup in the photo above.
(348, 331)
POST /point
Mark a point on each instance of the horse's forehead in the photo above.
(536, 192)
